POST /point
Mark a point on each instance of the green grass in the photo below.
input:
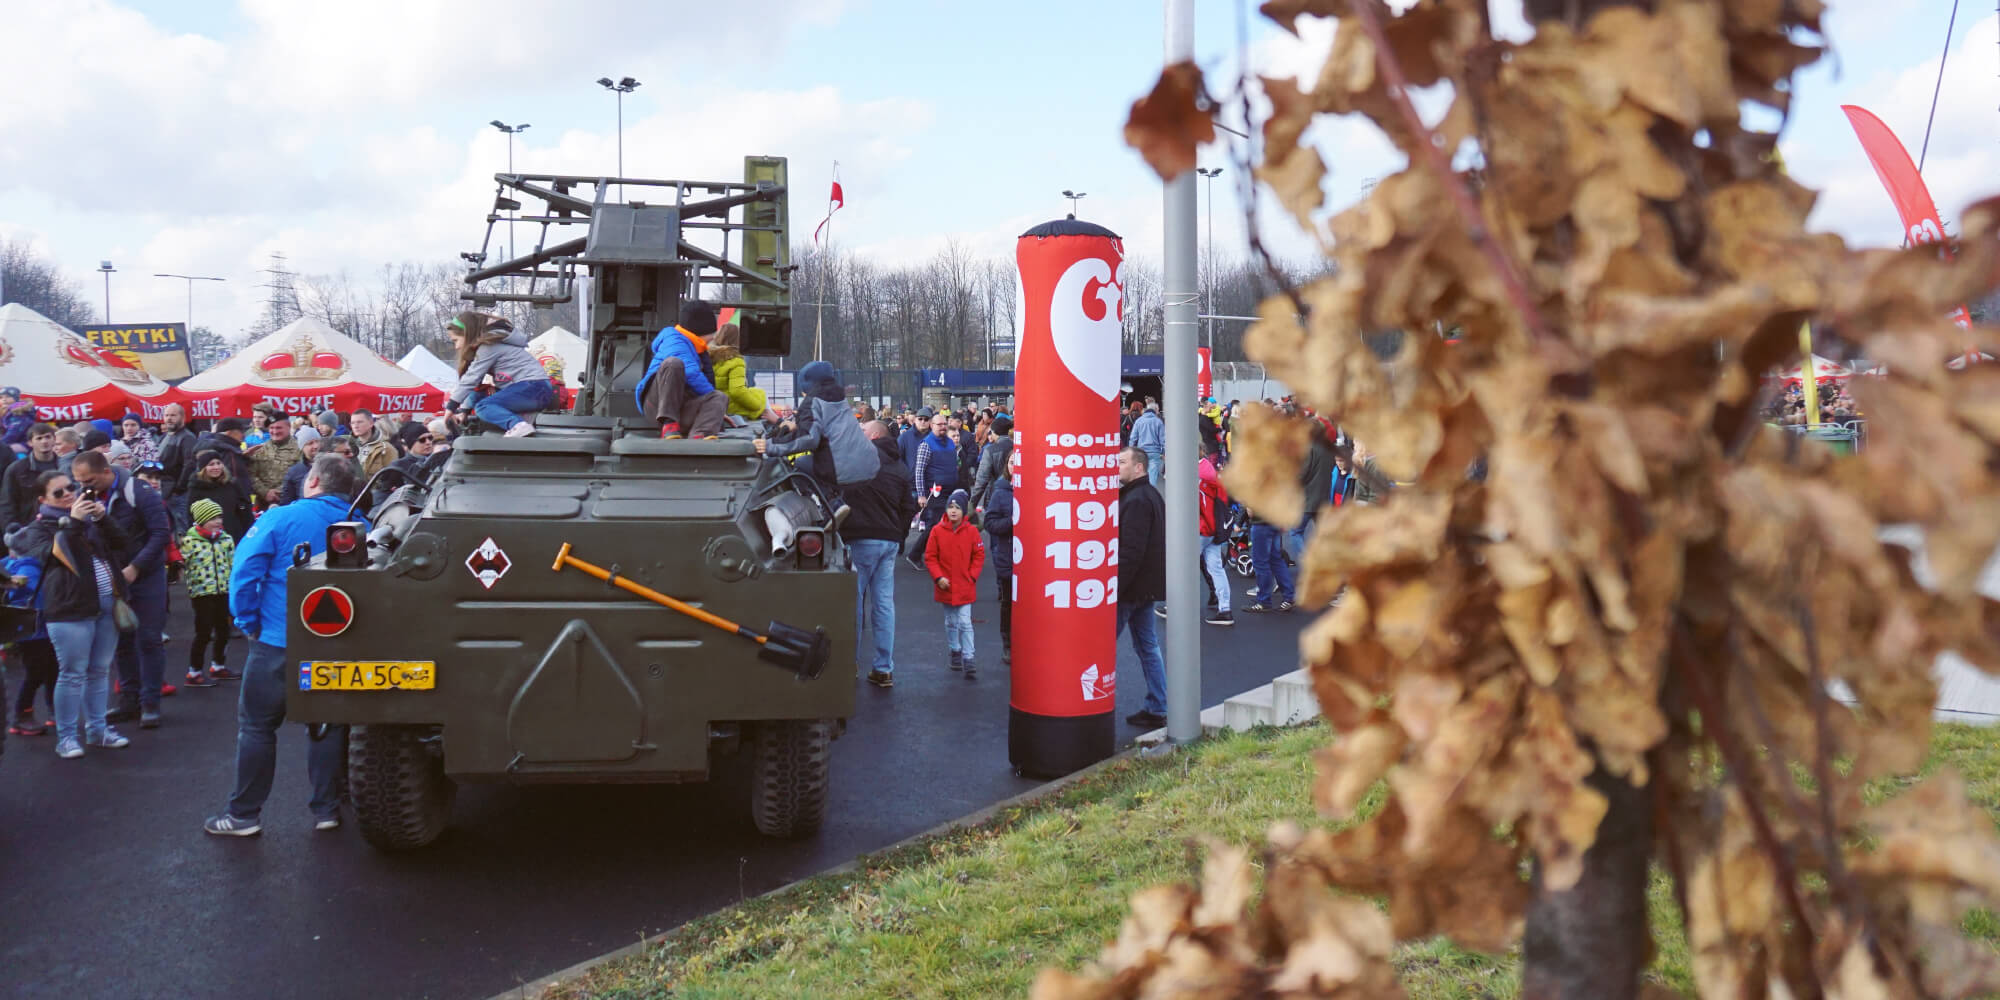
(976, 913)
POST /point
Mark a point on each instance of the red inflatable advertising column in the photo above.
(1204, 374)
(1065, 669)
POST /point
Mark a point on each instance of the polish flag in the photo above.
(834, 200)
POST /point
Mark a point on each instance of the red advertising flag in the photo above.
(1893, 167)
(1065, 661)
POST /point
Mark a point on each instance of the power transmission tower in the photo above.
(281, 299)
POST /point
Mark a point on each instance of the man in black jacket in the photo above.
(176, 445)
(18, 493)
(879, 513)
(1142, 578)
(141, 518)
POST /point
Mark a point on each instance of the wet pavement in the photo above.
(108, 887)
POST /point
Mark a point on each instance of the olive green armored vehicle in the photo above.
(592, 603)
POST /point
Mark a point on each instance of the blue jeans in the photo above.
(83, 671)
(1138, 615)
(499, 409)
(875, 599)
(260, 710)
(958, 629)
(142, 656)
(1274, 575)
(1155, 461)
(1218, 576)
(1296, 539)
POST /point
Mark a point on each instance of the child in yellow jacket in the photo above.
(209, 552)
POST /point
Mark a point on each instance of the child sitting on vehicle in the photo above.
(489, 345)
(842, 455)
(31, 651)
(209, 551)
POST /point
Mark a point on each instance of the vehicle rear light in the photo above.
(344, 549)
(810, 544)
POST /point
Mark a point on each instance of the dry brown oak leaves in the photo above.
(1648, 579)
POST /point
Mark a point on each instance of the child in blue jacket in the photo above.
(34, 654)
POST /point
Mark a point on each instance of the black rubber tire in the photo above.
(402, 799)
(790, 764)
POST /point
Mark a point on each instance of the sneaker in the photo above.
(1221, 618)
(520, 430)
(222, 673)
(881, 678)
(957, 660)
(1160, 609)
(670, 432)
(167, 690)
(109, 739)
(333, 822)
(25, 725)
(1146, 720)
(68, 748)
(199, 679)
(971, 671)
(226, 825)
(122, 714)
(149, 718)
(1258, 606)
(1285, 605)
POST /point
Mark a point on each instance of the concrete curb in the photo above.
(535, 988)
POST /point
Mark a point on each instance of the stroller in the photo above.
(1236, 551)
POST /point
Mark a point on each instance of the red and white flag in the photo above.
(834, 200)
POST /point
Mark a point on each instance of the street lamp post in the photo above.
(1074, 197)
(190, 279)
(625, 85)
(105, 267)
(1208, 254)
(511, 130)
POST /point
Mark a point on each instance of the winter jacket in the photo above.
(19, 420)
(295, 483)
(227, 447)
(968, 455)
(257, 601)
(375, 454)
(999, 523)
(508, 361)
(1149, 434)
(1370, 486)
(207, 563)
(17, 486)
(937, 465)
(141, 517)
(145, 448)
(907, 443)
(992, 470)
(692, 352)
(1142, 544)
(236, 517)
(176, 451)
(269, 463)
(67, 549)
(1214, 511)
(29, 570)
(732, 379)
(882, 507)
(1317, 476)
(956, 554)
(841, 451)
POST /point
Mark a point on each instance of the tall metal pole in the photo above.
(1208, 259)
(1183, 639)
(105, 266)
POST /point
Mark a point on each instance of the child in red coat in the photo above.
(955, 554)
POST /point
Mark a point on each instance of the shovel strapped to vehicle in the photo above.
(802, 651)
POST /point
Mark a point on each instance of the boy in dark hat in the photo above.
(841, 452)
(678, 389)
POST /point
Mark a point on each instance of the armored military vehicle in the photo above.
(593, 603)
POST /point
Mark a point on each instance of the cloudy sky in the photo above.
(177, 136)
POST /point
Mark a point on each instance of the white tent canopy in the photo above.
(567, 349)
(304, 367)
(425, 365)
(67, 377)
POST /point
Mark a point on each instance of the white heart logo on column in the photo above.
(1089, 348)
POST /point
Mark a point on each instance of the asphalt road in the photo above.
(108, 887)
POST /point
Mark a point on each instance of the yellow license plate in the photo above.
(372, 675)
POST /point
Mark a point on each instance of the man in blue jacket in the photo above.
(142, 516)
(260, 607)
(678, 389)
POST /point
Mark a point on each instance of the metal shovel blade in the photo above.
(803, 652)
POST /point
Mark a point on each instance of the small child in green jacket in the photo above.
(209, 551)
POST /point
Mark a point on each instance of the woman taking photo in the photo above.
(73, 540)
(212, 481)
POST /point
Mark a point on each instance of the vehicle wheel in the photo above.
(401, 796)
(1243, 565)
(788, 778)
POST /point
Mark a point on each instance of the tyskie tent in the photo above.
(305, 367)
(70, 379)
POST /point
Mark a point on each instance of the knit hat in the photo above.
(305, 435)
(697, 317)
(1003, 424)
(95, 439)
(820, 381)
(960, 499)
(204, 511)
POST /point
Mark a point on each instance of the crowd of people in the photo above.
(1788, 408)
